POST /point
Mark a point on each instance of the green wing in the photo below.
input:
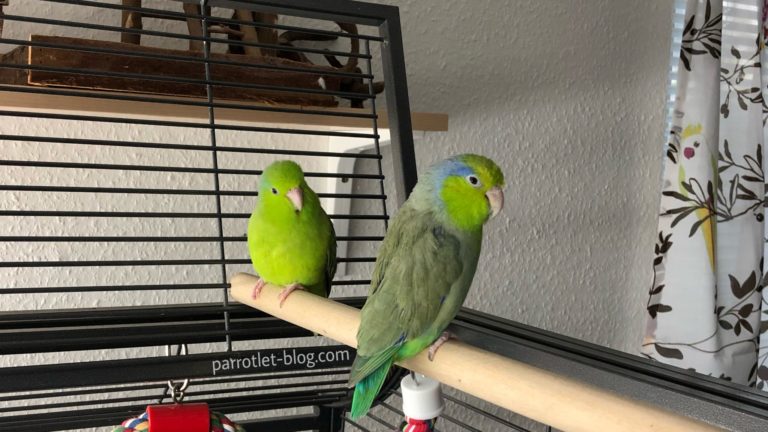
(418, 265)
(330, 266)
(326, 234)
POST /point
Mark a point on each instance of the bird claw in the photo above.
(287, 291)
(257, 288)
(438, 343)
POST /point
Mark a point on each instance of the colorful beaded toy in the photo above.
(219, 423)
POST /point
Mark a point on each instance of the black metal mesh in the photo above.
(123, 209)
(124, 212)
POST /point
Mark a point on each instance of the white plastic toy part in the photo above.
(422, 398)
(344, 185)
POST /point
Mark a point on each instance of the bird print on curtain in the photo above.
(705, 308)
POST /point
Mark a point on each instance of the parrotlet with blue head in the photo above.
(424, 269)
(290, 237)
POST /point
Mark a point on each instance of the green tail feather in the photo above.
(367, 389)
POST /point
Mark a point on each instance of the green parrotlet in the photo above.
(290, 237)
(424, 269)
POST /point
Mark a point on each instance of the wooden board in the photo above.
(561, 401)
(91, 103)
(72, 58)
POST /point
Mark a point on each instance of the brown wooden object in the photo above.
(97, 62)
(194, 26)
(256, 33)
(2, 3)
(131, 20)
(266, 35)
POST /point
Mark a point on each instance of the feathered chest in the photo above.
(294, 248)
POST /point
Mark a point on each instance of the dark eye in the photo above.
(473, 180)
(274, 191)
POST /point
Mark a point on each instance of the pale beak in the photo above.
(495, 200)
(296, 197)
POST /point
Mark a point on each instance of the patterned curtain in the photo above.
(705, 305)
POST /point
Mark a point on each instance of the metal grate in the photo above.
(126, 184)
(128, 173)
(127, 177)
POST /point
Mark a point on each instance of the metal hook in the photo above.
(177, 388)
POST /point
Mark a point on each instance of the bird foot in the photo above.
(438, 343)
(257, 288)
(287, 291)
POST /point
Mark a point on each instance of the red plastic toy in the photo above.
(188, 417)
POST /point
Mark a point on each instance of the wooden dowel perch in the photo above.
(555, 400)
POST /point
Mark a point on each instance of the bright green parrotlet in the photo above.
(424, 269)
(290, 237)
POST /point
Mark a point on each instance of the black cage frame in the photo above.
(713, 401)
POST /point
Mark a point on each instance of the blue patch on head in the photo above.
(453, 167)
(442, 299)
(448, 168)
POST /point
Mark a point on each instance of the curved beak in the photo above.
(495, 199)
(296, 197)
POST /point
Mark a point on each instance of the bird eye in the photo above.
(274, 191)
(473, 180)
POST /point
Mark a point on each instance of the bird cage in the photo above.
(131, 138)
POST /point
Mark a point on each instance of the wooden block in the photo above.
(73, 58)
(14, 76)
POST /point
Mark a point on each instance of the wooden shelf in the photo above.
(91, 104)
(112, 94)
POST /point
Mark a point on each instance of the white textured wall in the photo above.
(568, 97)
